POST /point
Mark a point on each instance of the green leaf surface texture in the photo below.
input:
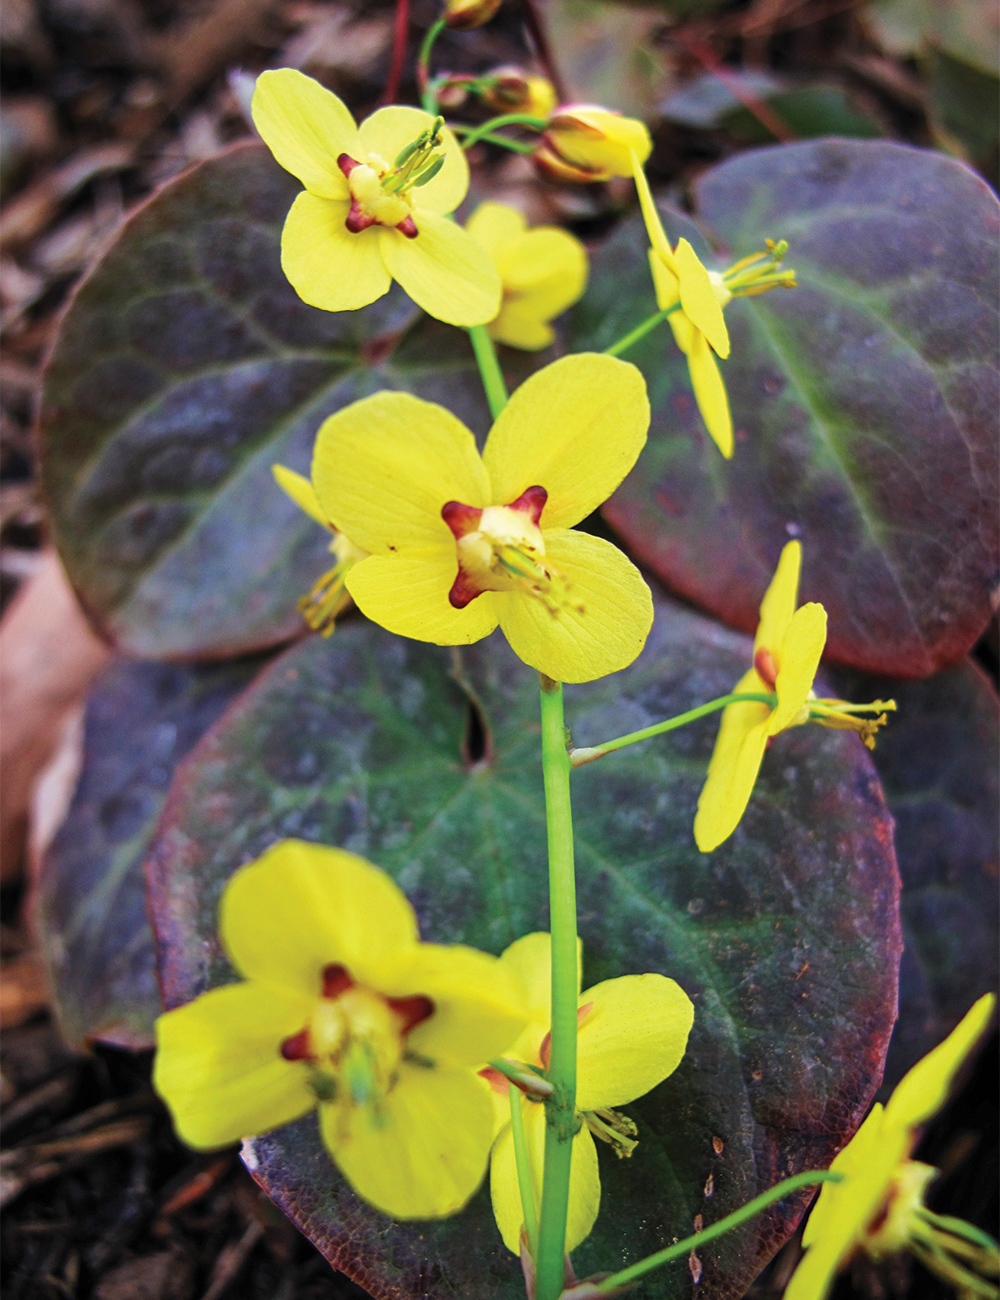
(786, 939)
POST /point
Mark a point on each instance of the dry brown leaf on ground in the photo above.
(49, 656)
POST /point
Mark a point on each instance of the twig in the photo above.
(400, 32)
(536, 28)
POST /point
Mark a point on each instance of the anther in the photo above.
(766, 668)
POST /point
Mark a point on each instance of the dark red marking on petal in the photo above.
(545, 1050)
(531, 502)
(767, 669)
(497, 1081)
(461, 519)
(408, 227)
(336, 980)
(463, 591)
(358, 220)
(296, 1048)
(347, 164)
(412, 1011)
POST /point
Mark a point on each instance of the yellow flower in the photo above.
(512, 90)
(460, 543)
(878, 1208)
(698, 295)
(699, 329)
(374, 205)
(583, 142)
(787, 650)
(466, 14)
(329, 596)
(632, 1035)
(543, 271)
(344, 1009)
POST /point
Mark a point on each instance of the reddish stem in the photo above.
(763, 112)
(536, 27)
(399, 35)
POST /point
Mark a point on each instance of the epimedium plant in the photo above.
(343, 1008)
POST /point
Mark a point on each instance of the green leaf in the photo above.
(939, 761)
(967, 108)
(89, 906)
(864, 402)
(786, 939)
(967, 30)
(184, 367)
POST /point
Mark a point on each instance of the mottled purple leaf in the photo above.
(865, 402)
(786, 939)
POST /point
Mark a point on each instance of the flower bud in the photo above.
(516, 91)
(596, 140)
(465, 14)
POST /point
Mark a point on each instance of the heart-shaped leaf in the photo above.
(786, 939)
(865, 401)
(184, 367)
(939, 761)
(89, 895)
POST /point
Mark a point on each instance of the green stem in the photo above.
(505, 119)
(560, 1110)
(609, 1285)
(427, 93)
(517, 146)
(523, 1170)
(577, 757)
(489, 368)
(640, 331)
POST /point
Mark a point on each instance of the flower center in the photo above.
(380, 193)
(501, 548)
(355, 1039)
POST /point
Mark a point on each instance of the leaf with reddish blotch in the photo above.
(939, 762)
(865, 401)
(88, 900)
(184, 367)
(787, 938)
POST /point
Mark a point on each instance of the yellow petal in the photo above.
(844, 1210)
(302, 906)
(302, 492)
(710, 392)
(384, 466)
(389, 129)
(654, 226)
(444, 270)
(778, 605)
(327, 265)
(667, 288)
(599, 139)
(633, 1038)
(219, 1066)
(479, 1004)
(924, 1090)
(495, 225)
(584, 1180)
(574, 428)
(732, 771)
(698, 298)
(604, 627)
(422, 1152)
(530, 959)
(519, 326)
(547, 266)
(306, 127)
(798, 660)
(408, 594)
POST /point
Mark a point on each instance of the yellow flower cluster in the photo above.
(344, 1010)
